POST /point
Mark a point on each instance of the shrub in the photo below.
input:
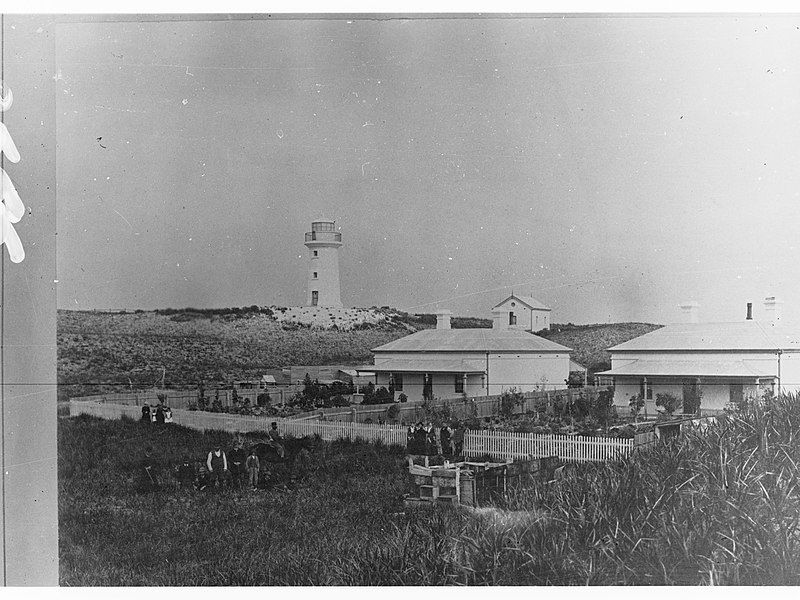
(509, 401)
(263, 399)
(668, 402)
(392, 412)
(692, 397)
(575, 379)
(637, 404)
(603, 406)
(335, 401)
(216, 406)
(402, 397)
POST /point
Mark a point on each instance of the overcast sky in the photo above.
(610, 167)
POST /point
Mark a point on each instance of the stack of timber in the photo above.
(471, 483)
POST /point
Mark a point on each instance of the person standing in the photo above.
(187, 473)
(419, 439)
(275, 439)
(431, 446)
(253, 466)
(458, 440)
(217, 466)
(237, 465)
(146, 412)
(444, 437)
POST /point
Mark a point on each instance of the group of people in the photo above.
(220, 468)
(423, 439)
(157, 414)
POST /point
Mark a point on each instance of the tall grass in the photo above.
(719, 506)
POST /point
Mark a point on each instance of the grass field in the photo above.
(721, 506)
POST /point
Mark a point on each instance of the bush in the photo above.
(392, 412)
(335, 401)
(575, 379)
(509, 401)
(402, 397)
(668, 402)
(263, 399)
(692, 398)
(637, 404)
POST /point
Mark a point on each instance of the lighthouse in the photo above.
(323, 243)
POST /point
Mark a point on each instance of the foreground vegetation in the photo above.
(719, 506)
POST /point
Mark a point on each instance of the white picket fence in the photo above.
(496, 444)
(504, 445)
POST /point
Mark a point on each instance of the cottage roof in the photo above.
(740, 335)
(471, 340)
(528, 301)
(695, 368)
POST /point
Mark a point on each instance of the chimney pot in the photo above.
(773, 307)
(690, 311)
(443, 319)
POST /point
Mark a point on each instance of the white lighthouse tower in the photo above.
(323, 243)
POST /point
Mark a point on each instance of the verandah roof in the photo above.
(425, 366)
(694, 368)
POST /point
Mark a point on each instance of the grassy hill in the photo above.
(590, 342)
(107, 351)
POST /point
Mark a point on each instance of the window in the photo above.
(645, 390)
(513, 304)
(512, 318)
(459, 383)
(315, 275)
(314, 297)
(316, 252)
(397, 381)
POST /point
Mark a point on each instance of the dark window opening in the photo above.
(397, 382)
(314, 298)
(512, 318)
(459, 383)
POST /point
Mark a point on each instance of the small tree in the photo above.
(509, 401)
(602, 406)
(263, 399)
(668, 402)
(575, 380)
(692, 397)
(402, 397)
(201, 396)
(637, 404)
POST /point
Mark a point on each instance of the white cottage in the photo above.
(451, 363)
(521, 312)
(726, 362)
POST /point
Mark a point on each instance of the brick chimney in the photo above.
(773, 307)
(443, 319)
(690, 312)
